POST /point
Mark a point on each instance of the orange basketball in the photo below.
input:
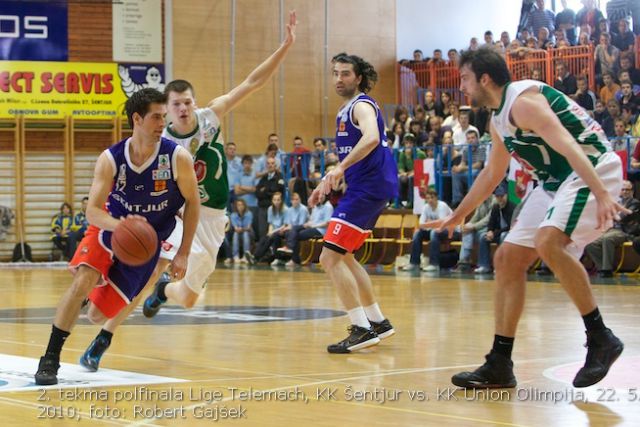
(134, 241)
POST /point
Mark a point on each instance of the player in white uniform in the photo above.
(198, 130)
(557, 142)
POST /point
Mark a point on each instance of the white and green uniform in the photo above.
(562, 200)
(206, 145)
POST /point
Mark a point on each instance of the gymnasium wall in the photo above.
(202, 54)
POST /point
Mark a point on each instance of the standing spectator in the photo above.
(405, 168)
(539, 17)
(433, 209)
(234, 169)
(565, 81)
(473, 231)
(589, 15)
(606, 56)
(270, 183)
(473, 44)
(437, 58)
(497, 228)
(241, 224)
(318, 158)
(299, 161)
(261, 165)
(314, 228)
(584, 96)
(472, 161)
(488, 39)
(505, 39)
(245, 188)
(453, 56)
(618, 10)
(566, 20)
(61, 227)
(78, 228)
(460, 131)
(266, 248)
(610, 88)
(602, 250)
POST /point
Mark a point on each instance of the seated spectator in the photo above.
(270, 183)
(544, 39)
(472, 161)
(296, 216)
(433, 209)
(617, 10)
(583, 96)
(460, 131)
(265, 250)
(585, 39)
(536, 74)
(445, 104)
(78, 228)
(245, 188)
(61, 227)
(273, 152)
(314, 228)
(624, 75)
(472, 232)
(419, 116)
(436, 130)
(625, 95)
(600, 112)
(565, 81)
(479, 118)
(405, 168)
(416, 129)
(624, 40)
(620, 137)
(608, 124)
(609, 89)
(606, 56)
(430, 106)
(633, 174)
(453, 119)
(401, 115)
(242, 226)
(602, 250)
(628, 117)
(395, 136)
(626, 64)
(566, 22)
(497, 228)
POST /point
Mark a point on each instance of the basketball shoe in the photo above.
(47, 371)
(497, 372)
(358, 339)
(153, 302)
(603, 348)
(90, 360)
(382, 329)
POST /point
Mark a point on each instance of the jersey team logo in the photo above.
(201, 169)
(163, 161)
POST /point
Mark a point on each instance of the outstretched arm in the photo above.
(258, 77)
(531, 112)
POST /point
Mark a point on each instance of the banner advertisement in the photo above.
(84, 90)
(33, 31)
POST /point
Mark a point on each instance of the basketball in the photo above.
(134, 242)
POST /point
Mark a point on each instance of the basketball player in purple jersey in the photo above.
(371, 176)
(146, 176)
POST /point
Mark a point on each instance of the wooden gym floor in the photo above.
(265, 331)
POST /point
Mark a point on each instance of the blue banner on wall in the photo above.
(33, 31)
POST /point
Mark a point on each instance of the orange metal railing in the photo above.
(416, 77)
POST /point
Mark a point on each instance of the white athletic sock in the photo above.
(358, 317)
(373, 313)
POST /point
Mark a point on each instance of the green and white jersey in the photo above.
(536, 156)
(206, 145)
